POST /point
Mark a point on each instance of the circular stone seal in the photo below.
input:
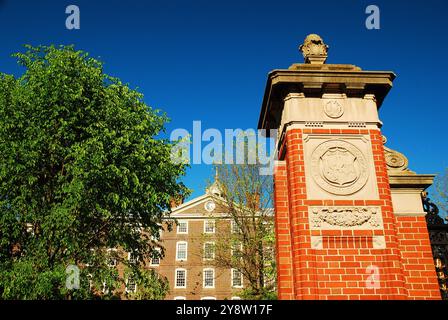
(333, 109)
(339, 167)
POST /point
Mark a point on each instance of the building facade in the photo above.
(190, 250)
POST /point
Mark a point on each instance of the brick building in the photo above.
(189, 252)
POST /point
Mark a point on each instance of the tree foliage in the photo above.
(81, 170)
(249, 247)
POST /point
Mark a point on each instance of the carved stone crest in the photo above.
(333, 109)
(345, 217)
(339, 167)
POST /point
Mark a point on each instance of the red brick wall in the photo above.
(419, 271)
(340, 270)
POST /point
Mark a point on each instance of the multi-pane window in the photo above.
(182, 227)
(237, 278)
(209, 278)
(209, 251)
(234, 227)
(209, 226)
(132, 257)
(131, 285)
(111, 257)
(181, 278)
(181, 250)
(155, 260)
(236, 250)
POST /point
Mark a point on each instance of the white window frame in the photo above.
(240, 250)
(159, 258)
(115, 259)
(180, 298)
(177, 250)
(213, 255)
(208, 298)
(233, 226)
(127, 290)
(105, 290)
(129, 257)
(203, 278)
(177, 227)
(231, 278)
(175, 278)
(205, 226)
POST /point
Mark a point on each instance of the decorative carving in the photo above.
(396, 162)
(314, 50)
(339, 167)
(333, 109)
(346, 217)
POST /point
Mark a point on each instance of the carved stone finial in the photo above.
(314, 50)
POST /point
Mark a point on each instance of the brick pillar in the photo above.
(348, 212)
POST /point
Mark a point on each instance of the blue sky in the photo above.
(208, 60)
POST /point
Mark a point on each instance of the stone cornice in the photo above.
(315, 81)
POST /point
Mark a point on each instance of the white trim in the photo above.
(177, 250)
(175, 278)
(159, 258)
(214, 226)
(208, 298)
(190, 203)
(109, 257)
(213, 244)
(180, 298)
(203, 278)
(240, 250)
(129, 258)
(177, 226)
(233, 226)
(231, 278)
(127, 291)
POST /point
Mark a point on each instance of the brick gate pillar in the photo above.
(349, 224)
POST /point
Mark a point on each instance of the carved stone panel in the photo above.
(350, 218)
(339, 167)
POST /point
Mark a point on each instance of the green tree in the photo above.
(81, 170)
(249, 246)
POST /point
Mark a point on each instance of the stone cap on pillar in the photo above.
(313, 78)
